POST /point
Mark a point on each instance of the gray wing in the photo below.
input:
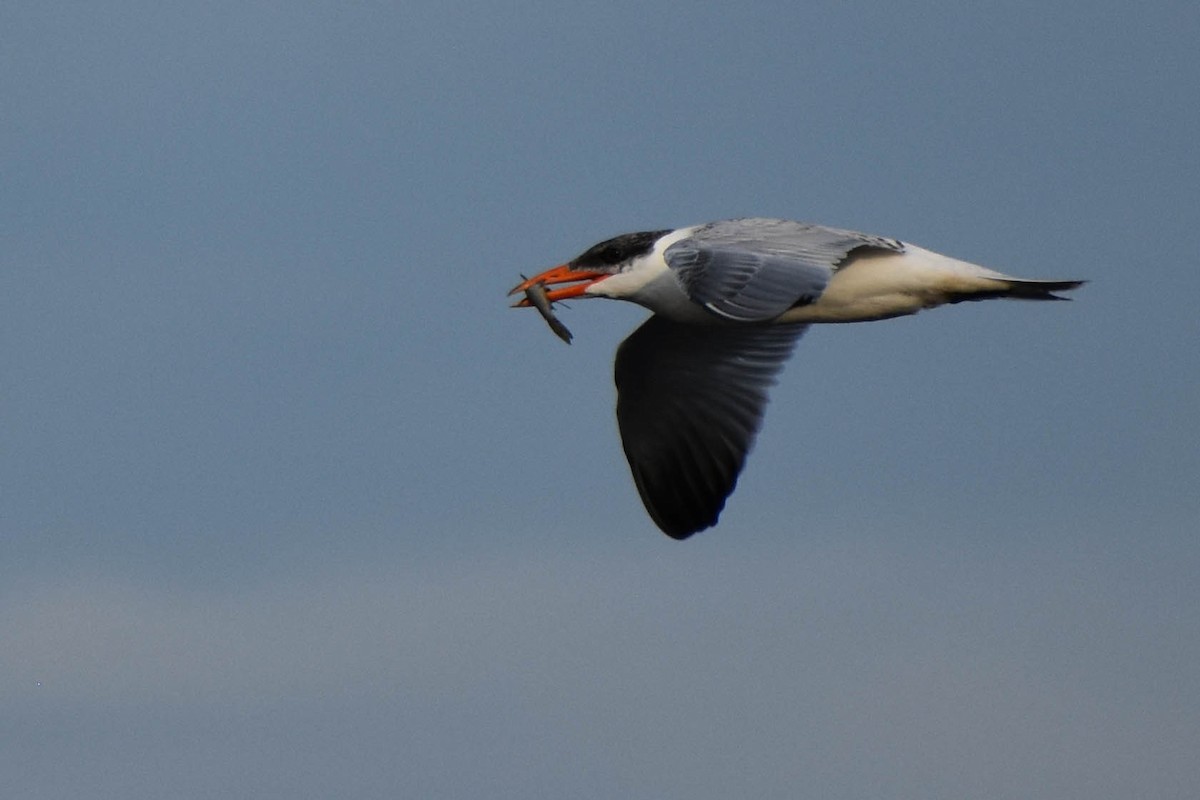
(690, 401)
(756, 269)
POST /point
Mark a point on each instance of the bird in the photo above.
(729, 300)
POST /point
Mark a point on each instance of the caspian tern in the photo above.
(730, 299)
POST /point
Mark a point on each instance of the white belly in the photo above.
(882, 285)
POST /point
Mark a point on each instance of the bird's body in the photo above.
(730, 299)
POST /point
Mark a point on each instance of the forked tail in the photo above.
(1015, 289)
(1038, 290)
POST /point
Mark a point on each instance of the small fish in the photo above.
(536, 295)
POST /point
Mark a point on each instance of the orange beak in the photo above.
(580, 278)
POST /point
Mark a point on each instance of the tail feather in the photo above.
(1016, 289)
(1038, 290)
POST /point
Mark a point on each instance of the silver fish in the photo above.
(536, 295)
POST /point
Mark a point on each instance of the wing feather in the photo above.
(753, 270)
(690, 401)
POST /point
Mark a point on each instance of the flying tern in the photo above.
(729, 301)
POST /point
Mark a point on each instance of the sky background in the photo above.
(293, 505)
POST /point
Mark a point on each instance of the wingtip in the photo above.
(683, 532)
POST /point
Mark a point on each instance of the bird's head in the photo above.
(577, 277)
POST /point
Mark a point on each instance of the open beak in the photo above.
(580, 279)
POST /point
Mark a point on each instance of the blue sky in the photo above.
(296, 506)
